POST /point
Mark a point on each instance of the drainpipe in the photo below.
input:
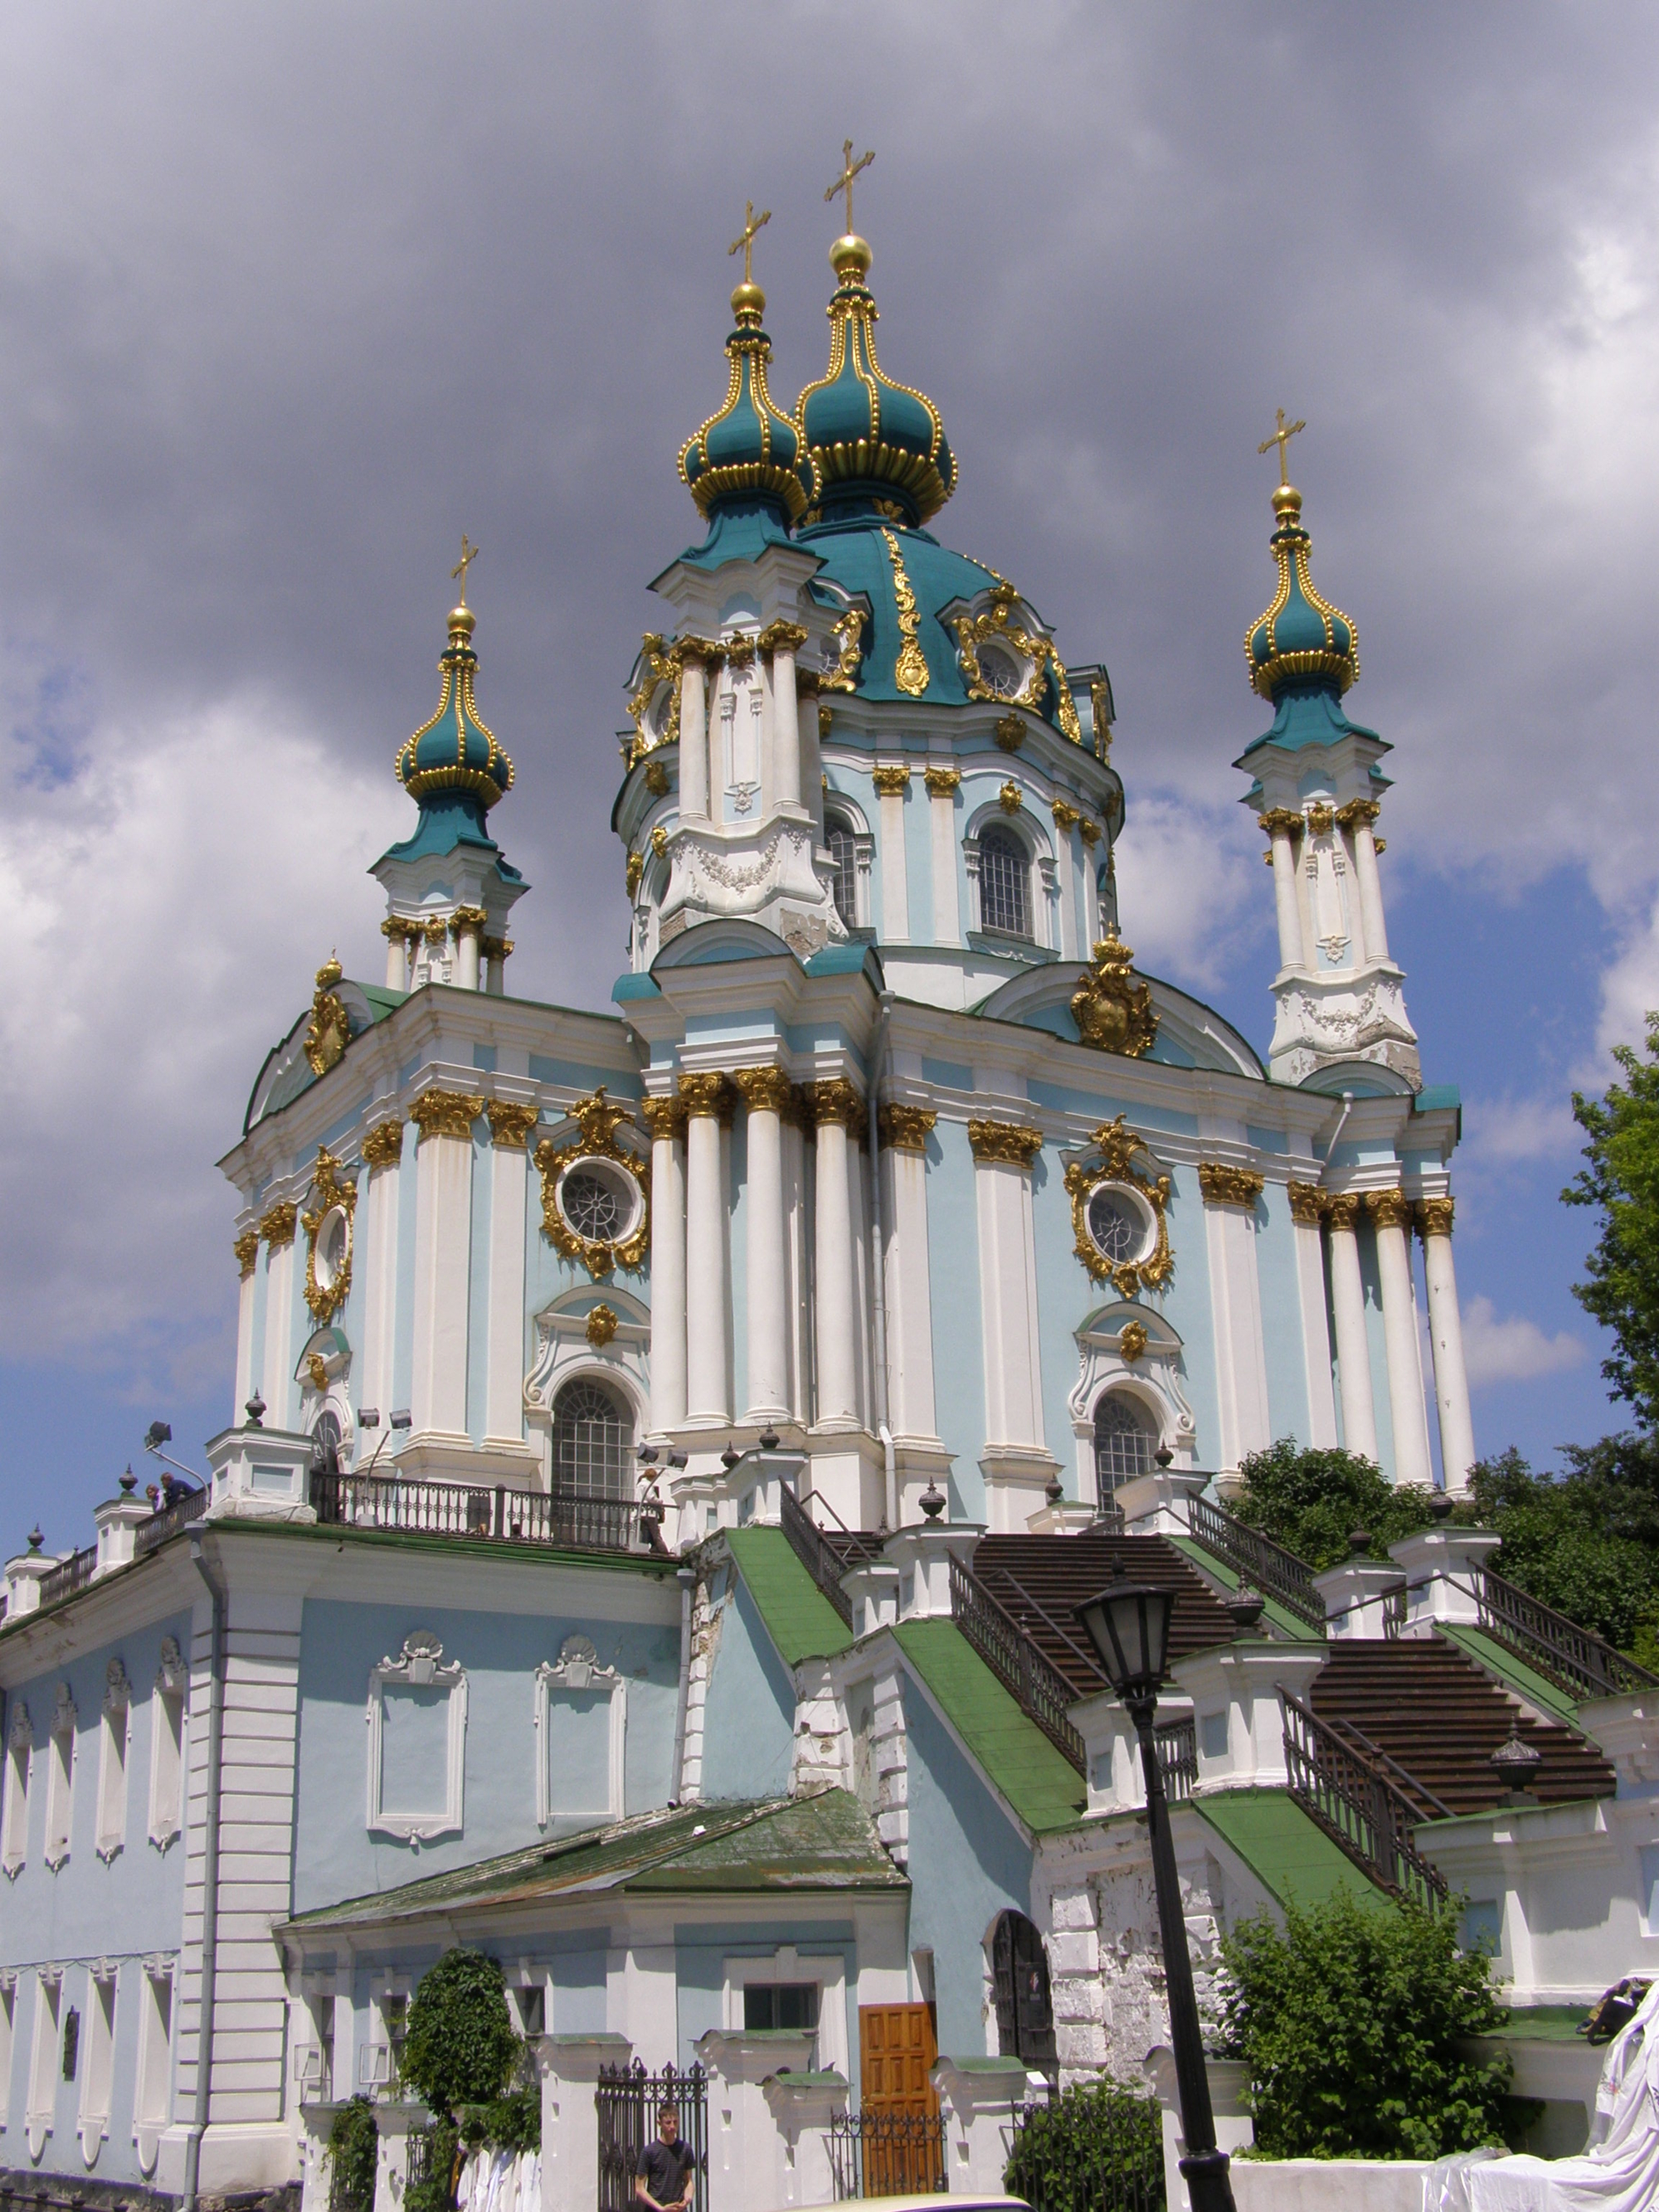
(209, 1880)
(877, 1270)
(1341, 1119)
(687, 1579)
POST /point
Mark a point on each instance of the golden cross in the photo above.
(1281, 438)
(849, 169)
(751, 223)
(469, 554)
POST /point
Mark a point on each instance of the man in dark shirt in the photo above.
(667, 2171)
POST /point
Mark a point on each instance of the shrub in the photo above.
(433, 2190)
(1310, 1502)
(1101, 2143)
(460, 2047)
(353, 2144)
(510, 2123)
(1587, 1541)
(1347, 2023)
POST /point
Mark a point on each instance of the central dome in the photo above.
(869, 444)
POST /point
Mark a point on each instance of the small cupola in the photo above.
(1302, 642)
(746, 455)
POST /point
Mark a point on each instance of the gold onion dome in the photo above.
(455, 754)
(747, 451)
(869, 441)
(1302, 642)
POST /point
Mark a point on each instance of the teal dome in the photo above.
(871, 445)
(746, 451)
(1302, 642)
(455, 754)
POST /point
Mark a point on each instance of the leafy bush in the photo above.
(353, 2146)
(1311, 1502)
(1095, 2144)
(510, 2123)
(1347, 2023)
(460, 2047)
(1586, 1542)
(1622, 1181)
(432, 2188)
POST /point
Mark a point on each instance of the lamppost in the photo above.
(1128, 1625)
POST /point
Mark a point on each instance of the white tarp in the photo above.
(1620, 2172)
(500, 2181)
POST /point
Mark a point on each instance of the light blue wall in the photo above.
(1281, 1315)
(701, 1950)
(959, 1335)
(334, 1855)
(748, 1720)
(968, 1862)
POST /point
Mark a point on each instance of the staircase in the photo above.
(1039, 1581)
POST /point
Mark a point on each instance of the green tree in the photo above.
(1348, 2022)
(1587, 1541)
(1311, 1502)
(1622, 1180)
(460, 2047)
(353, 2150)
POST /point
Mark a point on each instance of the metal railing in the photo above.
(888, 2153)
(1578, 1661)
(1393, 1612)
(69, 1576)
(627, 2100)
(454, 1508)
(168, 1522)
(1274, 1570)
(1176, 1744)
(1357, 1806)
(810, 1548)
(1039, 1686)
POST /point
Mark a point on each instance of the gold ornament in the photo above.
(1279, 819)
(633, 872)
(446, 1113)
(906, 1128)
(1066, 816)
(246, 1249)
(1321, 818)
(383, 1147)
(316, 1369)
(598, 1121)
(1434, 1218)
(1228, 1186)
(656, 779)
(277, 1225)
(1099, 702)
(910, 670)
(976, 630)
(1309, 1204)
(781, 636)
(942, 783)
(1112, 1006)
(510, 1126)
(1005, 1144)
(1089, 831)
(659, 664)
(1118, 1153)
(660, 840)
(1010, 732)
(848, 634)
(891, 782)
(601, 1327)
(1011, 798)
(328, 1032)
(1132, 1341)
(331, 1189)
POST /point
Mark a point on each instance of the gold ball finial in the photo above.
(1287, 503)
(850, 258)
(462, 623)
(748, 304)
(330, 973)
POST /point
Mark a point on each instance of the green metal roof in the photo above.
(783, 1844)
(1042, 1786)
(1289, 1856)
(1288, 1623)
(799, 1620)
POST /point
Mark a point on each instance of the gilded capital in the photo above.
(510, 1126)
(1390, 1209)
(1229, 1186)
(1011, 798)
(891, 782)
(942, 783)
(835, 1101)
(705, 1093)
(496, 948)
(1308, 1202)
(1089, 831)
(1280, 822)
(1434, 1218)
(906, 1128)
(765, 1089)
(246, 1249)
(633, 870)
(807, 681)
(1343, 1210)
(663, 1117)
(1010, 732)
(1358, 811)
(468, 917)
(1066, 816)
(1007, 1144)
(446, 1113)
(782, 636)
(383, 1147)
(277, 1227)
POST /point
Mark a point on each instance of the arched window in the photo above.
(1019, 1983)
(1125, 1441)
(1004, 898)
(593, 1443)
(325, 1442)
(843, 852)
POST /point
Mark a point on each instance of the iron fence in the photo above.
(1039, 1688)
(1176, 1744)
(1257, 1556)
(462, 1510)
(1113, 2164)
(627, 2101)
(888, 2153)
(809, 1546)
(1357, 1806)
(69, 1576)
(168, 1521)
(1579, 1662)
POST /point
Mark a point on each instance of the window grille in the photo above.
(592, 1206)
(1004, 883)
(845, 885)
(1124, 1441)
(593, 1443)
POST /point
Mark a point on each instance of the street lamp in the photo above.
(1128, 1625)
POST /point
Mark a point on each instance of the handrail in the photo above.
(807, 1541)
(1280, 1573)
(1580, 1661)
(562, 1519)
(1407, 1783)
(1038, 1686)
(69, 1576)
(167, 1521)
(1090, 1664)
(1176, 1743)
(1357, 1806)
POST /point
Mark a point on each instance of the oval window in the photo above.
(1118, 1224)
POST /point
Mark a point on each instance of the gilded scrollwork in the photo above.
(659, 663)
(1004, 1144)
(1112, 1006)
(598, 1120)
(1115, 1155)
(848, 634)
(910, 669)
(331, 1192)
(1222, 1185)
(997, 623)
(329, 1031)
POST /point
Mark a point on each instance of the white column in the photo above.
(766, 1091)
(836, 1104)
(706, 1328)
(469, 922)
(443, 1240)
(275, 1379)
(906, 1281)
(1353, 1358)
(785, 716)
(510, 1126)
(694, 741)
(1229, 1197)
(1451, 1381)
(1359, 818)
(396, 955)
(665, 1120)
(1307, 1208)
(495, 950)
(1093, 929)
(246, 1249)
(797, 1261)
(1281, 826)
(942, 785)
(1391, 1212)
(1065, 821)
(811, 759)
(376, 1239)
(892, 784)
(1003, 1153)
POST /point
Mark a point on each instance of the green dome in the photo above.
(455, 752)
(746, 451)
(1302, 641)
(870, 443)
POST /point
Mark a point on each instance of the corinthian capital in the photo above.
(765, 1089)
(706, 1092)
(446, 1113)
(1390, 1209)
(1008, 1144)
(1434, 1218)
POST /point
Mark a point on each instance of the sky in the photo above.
(289, 298)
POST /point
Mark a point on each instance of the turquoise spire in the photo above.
(746, 456)
(1303, 653)
(455, 762)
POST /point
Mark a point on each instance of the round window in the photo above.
(600, 1200)
(1118, 1224)
(333, 1244)
(1000, 672)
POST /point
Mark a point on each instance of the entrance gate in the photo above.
(627, 2101)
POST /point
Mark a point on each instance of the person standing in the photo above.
(667, 2171)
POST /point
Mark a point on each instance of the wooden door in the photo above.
(898, 2046)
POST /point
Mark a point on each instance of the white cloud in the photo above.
(1630, 987)
(1503, 1132)
(1186, 890)
(163, 912)
(1514, 1350)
